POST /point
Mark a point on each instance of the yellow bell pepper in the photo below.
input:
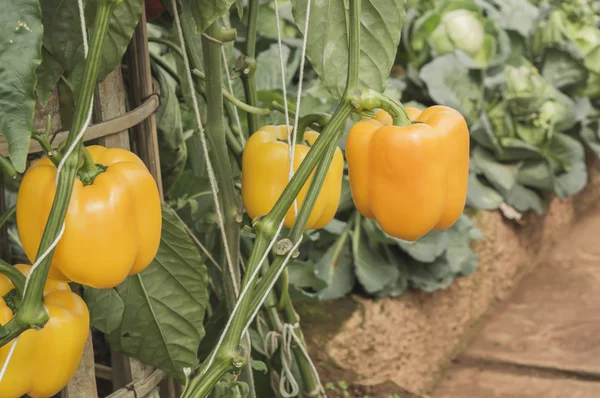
(411, 179)
(265, 169)
(44, 360)
(112, 226)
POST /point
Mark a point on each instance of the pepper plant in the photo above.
(267, 236)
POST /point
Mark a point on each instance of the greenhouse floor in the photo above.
(544, 342)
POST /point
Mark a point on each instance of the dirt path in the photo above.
(545, 341)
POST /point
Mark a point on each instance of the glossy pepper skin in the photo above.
(112, 226)
(45, 360)
(411, 179)
(265, 169)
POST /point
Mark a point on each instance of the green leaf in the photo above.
(259, 366)
(106, 308)
(562, 70)
(537, 174)
(452, 84)
(373, 271)
(500, 176)
(20, 55)
(461, 259)
(164, 305)
(173, 151)
(517, 15)
(205, 12)
(432, 276)
(335, 268)
(327, 47)
(426, 249)
(524, 199)
(62, 35)
(48, 74)
(228, 387)
(481, 196)
(268, 69)
(591, 138)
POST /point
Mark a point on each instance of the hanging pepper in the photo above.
(44, 360)
(265, 169)
(112, 226)
(411, 179)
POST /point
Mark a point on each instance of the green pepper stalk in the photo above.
(226, 358)
(32, 313)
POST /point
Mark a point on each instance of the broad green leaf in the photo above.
(20, 55)
(268, 68)
(591, 138)
(524, 199)
(205, 12)
(335, 268)
(571, 155)
(450, 83)
(461, 259)
(426, 249)
(431, 276)
(571, 182)
(373, 271)
(302, 275)
(62, 35)
(164, 305)
(48, 74)
(327, 48)
(517, 15)
(562, 70)
(106, 308)
(500, 176)
(481, 196)
(536, 174)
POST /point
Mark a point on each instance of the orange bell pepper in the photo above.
(411, 179)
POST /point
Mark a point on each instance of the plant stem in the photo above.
(267, 226)
(7, 215)
(314, 118)
(371, 99)
(16, 277)
(216, 133)
(167, 43)
(32, 312)
(54, 155)
(231, 98)
(250, 60)
(7, 167)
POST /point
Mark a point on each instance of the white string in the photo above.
(244, 291)
(242, 295)
(281, 268)
(49, 250)
(287, 378)
(237, 113)
(291, 134)
(211, 174)
(288, 329)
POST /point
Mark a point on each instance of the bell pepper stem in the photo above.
(17, 278)
(247, 69)
(305, 121)
(32, 313)
(88, 172)
(370, 99)
(323, 149)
